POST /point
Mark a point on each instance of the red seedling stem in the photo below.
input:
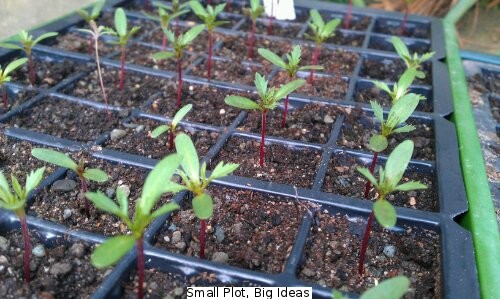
(27, 245)
(348, 17)
(209, 65)
(4, 96)
(140, 266)
(179, 85)
(171, 140)
(96, 45)
(164, 42)
(122, 70)
(368, 229)
(83, 184)
(90, 44)
(228, 5)
(285, 111)
(271, 17)
(177, 27)
(32, 69)
(203, 229)
(146, 5)
(405, 19)
(252, 39)
(262, 139)
(314, 62)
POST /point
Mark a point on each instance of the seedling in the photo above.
(196, 181)
(16, 202)
(208, 16)
(4, 76)
(392, 288)
(175, 121)
(268, 100)
(321, 32)
(414, 62)
(347, 20)
(401, 87)
(27, 44)
(402, 30)
(164, 17)
(387, 183)
(291, 66)
(83, 173)
(157, 183)
(92, 16)
(177, 9)
(179, 43)
(255, 10)
(271, 17)
(123, 37)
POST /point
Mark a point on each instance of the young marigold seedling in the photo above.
(83, 173)
(321, 32)
(27, 44)
(291, 66)
(387, 183)
(157, 183)
(196, 181)
(400, 88)
(123, 37)
(255, 10)
(4, 76)
(209, 17)
(92, 16)
(415, 61)
(268, 100)
(392, 288)
(179, 43)
(164, 17)
(16, 202)
(163, 128)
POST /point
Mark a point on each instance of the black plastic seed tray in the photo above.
(329, 150)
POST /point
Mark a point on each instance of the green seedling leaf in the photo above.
(3, 182)
(180, 114)
(378, 143)
(33, 179)
(404, 129)
(203, 206)
(397, 162)
(405, 82)
(122, 198)
(166, 208)
(190, 162)
(190, 35)
(163, 55)
(241, 102)
(385, 213)
(261, 84)
(13, 66)
(104, 203)
(316, 18)
(393, 288)
(368, 175)
(412, 185)
(405, 107)
(11, 46)
(120, 22)
(289, 87)
(54, 157)
(273, 58)
(222, 170)
(95, 175)
(382, 86)
(44, 36)
(111, 251)
(96, 10)
(311, 67)
(16, 186)
(377, 111)
(331, 26)
(198, 9)
(400, 47)
(159, 130)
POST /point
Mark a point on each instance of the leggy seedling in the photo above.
(83, 173)
(392, 288)
(157, 183)
(255, 10)
(27, 44)
(196, 181)
(92, 16)
(123, 37)
(291, 66)
(321, 32)
(268, 100)
(4, 76)
(163, 128)
(16, 202)
(209, 17)
(400, 88)
(179, 43)
(164, 17)
(415, 61)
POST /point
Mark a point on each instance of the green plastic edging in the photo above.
(480, 219)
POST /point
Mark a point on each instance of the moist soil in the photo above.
(236, 47)
(141, 55)
(335, 241)
(137, 88)
(410, 31)
(366, 95)
(16, 99)
(358, 128)
(342, 178)
(323, 86)
(75, 42)
(65, 119)
(255, 230)
(231, 71)
(391, 70)
(310, 123)
(386, 45)
(208, 103)
(343, 38)
(138, 140)
(64, 271)
(47, 73)
(338, 62)
(282, 164)
(289, 30)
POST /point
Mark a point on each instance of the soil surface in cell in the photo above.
(358, 129)
(248, 230)
(366, 95)
(336, 62)
(16, 99)
(391, 70)
(65, 119)
(138, 141)
(279, 29)
(282, 164)
(342, 38)
(323, 86)
(236, 47)
(343, 178)
(231, 71)
(335, 241)
(410, 31)
(76, 42)
(64, 271)
(47, 73)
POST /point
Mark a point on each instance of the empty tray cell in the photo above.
(281, 29)
(381, 42)
(142, 55)
(15, 97)
(338, 62)
(393, 27)
(240, 72)
(357, 22)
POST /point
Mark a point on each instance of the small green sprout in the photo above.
(392, 288)
(157, 183)
(196, 181)
(255, 10)
(268, 100)
(4, 76)
(27, 44)
(321, 32)
(83, 173)
(209, 17)
(175, 121)
(179, 43)
(291, 66)
(92, 16)
(16, 202)
(124, 36)
(401, 87)
(165, 17)
(414, 62)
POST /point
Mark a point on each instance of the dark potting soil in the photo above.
(289, 30)
(336, 241)
(410, 31)
(342, 178)
(495, 107)
(67, 207)
(358, 128)
(63, 272)
(200, 44)
(138, 140)
(231, 71)
(253, 230)
(142, 55)
(343, 38)
(338, 62)
(391, 70)
(324, 86)
(76, 42)
(236, 47)
(366, 95)
(208, 102)
(137, 88)
(47, 73)
(282, 164)
(65, 119)
(310, 123)
(16, 99)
